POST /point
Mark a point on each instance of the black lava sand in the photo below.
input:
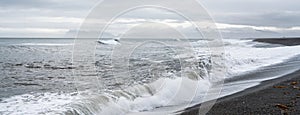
(282, 41)
(270, 97)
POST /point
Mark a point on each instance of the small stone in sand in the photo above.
(286, 93)
(294, 83)
(282, 107)
(295, 87)
(279, 87)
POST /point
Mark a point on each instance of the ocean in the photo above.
(133, 76)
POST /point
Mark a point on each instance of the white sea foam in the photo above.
(241, 59)
(32, 104)
(164, 92)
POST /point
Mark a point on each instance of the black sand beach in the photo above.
(280, 98)
(277, 96)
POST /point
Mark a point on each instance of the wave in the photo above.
(108, 42)
(242, 60)
(161, 93)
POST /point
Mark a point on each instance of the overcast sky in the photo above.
(234, 18)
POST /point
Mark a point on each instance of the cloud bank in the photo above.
(234, 18)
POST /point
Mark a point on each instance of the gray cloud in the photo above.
(277, 13)
(275, 19)
(47, 4)
(67, 14)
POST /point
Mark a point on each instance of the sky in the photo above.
(234, 18)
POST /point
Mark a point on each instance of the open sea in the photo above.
(133, 76)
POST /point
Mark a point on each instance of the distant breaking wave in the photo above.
(44, 44)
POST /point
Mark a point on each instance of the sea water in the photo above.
(40, 76)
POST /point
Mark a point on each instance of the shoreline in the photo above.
(281, 41)
(261, 99)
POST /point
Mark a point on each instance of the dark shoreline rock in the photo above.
(282, 41)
